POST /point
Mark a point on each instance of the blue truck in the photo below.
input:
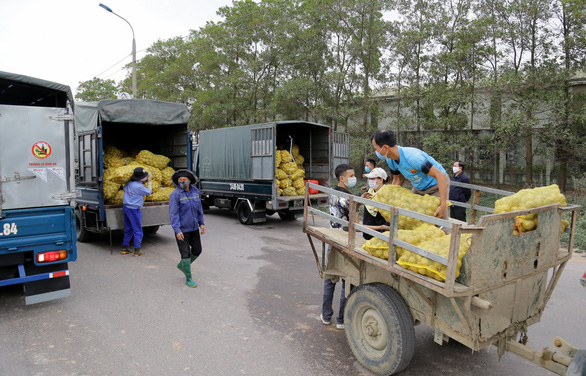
(37, 186)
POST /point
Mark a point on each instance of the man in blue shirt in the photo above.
(134, 192)
(186, 213)
(425, 174)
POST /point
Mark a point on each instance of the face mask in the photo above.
(351, 182)
(372, 183)
(366, 169)
(380, 156)
(456, 169)
(145, 179)
(183, 184)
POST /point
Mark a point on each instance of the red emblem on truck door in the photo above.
(41, 149)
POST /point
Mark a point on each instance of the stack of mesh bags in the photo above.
(290, 174)
(119, 167)
(528, 199)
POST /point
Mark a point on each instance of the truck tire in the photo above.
(244, 213)
(379, 329)
(287, 216)
(150, 229)
(83, 235)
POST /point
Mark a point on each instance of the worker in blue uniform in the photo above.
(425, 174)
(134, 192)
(186, 214)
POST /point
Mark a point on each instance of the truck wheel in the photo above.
(379, 329)
(83, 235)
(287, 216)
(244, 213)
(150, 229)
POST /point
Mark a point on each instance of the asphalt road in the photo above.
(255, 312)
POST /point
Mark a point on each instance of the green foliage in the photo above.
(96, 89)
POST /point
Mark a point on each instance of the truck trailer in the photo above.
(237, 168)
(37, 186)
(130, 125)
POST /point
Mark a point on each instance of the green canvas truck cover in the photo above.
(129, 111)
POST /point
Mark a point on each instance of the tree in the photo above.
(96, 89)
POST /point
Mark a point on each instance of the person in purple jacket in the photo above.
(186, 214)
(134, 192)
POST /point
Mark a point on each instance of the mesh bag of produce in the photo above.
(422, 233)
(295, 151)
(527, 199)
(288, 167)
(300, 191)
(290, 191)
(128, 160)
(299, 160)
(155, 160)
(439, 246)
(285, 157)
(108, 172)
(113, 151)
(122, 175)
(161, 194)
(156, 175)
(111, 161)
(280, 174)
(110, 189)
(299, 183)
(298, 173)
(117, 199)
(277, 157)
(166, 175)
(403, 198)
(285, 183)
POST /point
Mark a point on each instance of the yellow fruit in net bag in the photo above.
(528, 199)
(110, 189)
(299, 160)
(156, 175)
(300, 191)
(128, 160)
(288, 167)
(285, 157)
(298, 173)
(166, 175)
(416, 236)
(122, 175)
(285, 183)
(299, 183)
(113, 151)
(403, 198)
(155, 160)
(277, 157)
(161, 194)
(112, 161)
(295, 150)
(117, 199)
(280, 174)
(290, 191)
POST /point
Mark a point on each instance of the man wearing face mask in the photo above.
(186, 213)
(425, 174)
(458, 193)
(369, 165)
(339, 208)
(134, 191)
(372, 218)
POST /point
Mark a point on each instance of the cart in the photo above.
(504, 285)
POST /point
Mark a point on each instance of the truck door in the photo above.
(34, 151)
(340, 149)
(262, 161)
(87, 147)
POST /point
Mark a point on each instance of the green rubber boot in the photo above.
(186, 268)
(193, 258)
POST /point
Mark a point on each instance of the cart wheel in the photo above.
(244, 213)
(379, 329)
(287, 216)
(150, 229)
(83, 235)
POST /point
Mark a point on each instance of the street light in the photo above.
(133, 49)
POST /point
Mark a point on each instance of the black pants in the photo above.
(458, 212)
(191, 244)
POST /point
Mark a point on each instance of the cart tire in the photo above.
(244, 213)
(150, 229)
(82, 234)
(287, 216)
(379, 329)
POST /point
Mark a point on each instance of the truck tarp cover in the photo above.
(229, 149)
(129, 111)
(40, 91)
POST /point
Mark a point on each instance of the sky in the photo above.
(71, 41)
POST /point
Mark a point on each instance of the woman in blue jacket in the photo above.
(186, 214)
(134, 192)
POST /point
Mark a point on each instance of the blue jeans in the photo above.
(329, 288)
(132, 226)
(326, 308)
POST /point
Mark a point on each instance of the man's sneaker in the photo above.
(326, 322)
(340, 326)
(126, 251)
(137, 252)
